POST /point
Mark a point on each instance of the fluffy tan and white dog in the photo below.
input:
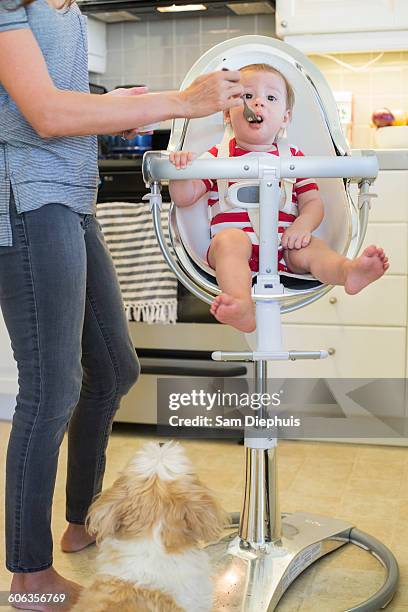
(149, 526)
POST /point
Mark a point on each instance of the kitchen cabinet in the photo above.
(401, 13)
(354, 352)
(366, 333)
(391, 203)
(96, 46)
(337, 16)
(383, 303)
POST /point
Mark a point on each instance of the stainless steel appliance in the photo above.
(116, 147)
(112, 11)
(177, 350)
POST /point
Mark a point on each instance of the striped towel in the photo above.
(148, 286)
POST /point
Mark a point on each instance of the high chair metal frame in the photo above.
(255, 566)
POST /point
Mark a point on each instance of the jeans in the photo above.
(63, 309)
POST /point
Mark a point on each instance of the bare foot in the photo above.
(76, 538)
(48, 583)
(233, 311)
(364, 270)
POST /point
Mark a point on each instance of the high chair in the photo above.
(254, 566)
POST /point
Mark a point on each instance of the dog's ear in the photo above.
(205, 517)
(192, 515)
(105, 514)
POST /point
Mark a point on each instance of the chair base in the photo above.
(251, 579)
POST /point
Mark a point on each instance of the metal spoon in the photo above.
(249, 114)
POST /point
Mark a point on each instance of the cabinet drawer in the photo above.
(391, 203)
(393, 238)
(359, 352)
(381, 303)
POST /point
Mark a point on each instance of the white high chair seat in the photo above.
(315, 129)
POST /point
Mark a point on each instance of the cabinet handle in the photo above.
(331, 350)
(333, 300)
(284, 23)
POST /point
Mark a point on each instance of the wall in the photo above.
(159, 53)
(383, 83)
(8, 375)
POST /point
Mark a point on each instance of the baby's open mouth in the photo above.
(250, 115)
(256, 119)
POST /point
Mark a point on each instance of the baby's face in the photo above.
(265, 94)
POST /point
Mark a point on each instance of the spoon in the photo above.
(249, 114)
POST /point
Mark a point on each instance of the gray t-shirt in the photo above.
(46, 170)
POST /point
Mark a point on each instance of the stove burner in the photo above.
(123, 155)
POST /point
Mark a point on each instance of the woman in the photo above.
(58, 290)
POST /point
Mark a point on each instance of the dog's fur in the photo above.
(148, 526)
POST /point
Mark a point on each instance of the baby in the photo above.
(234, 247)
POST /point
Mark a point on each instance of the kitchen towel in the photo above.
(148, 286)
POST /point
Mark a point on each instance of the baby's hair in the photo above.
(290, 94)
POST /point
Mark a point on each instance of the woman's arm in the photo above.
(53, 112)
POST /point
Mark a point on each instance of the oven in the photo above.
(180, 350)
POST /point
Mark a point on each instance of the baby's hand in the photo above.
(181, 158)
(297, 235)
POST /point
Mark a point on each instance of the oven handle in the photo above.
(178, 367)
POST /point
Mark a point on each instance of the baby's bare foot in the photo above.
(60, 595)
(76, 538)
(364, 270)
(233, 311)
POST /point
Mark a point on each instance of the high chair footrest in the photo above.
(267, 355)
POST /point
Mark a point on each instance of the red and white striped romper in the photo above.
(238, 217)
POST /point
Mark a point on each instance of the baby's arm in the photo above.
(185, 192)
(311, 213)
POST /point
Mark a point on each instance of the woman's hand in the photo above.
(129, 91)
(181, 159)
(211, 93)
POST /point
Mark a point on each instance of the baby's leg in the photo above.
(334, 269)
(229, 254)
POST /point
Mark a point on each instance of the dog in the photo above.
(149, 526)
